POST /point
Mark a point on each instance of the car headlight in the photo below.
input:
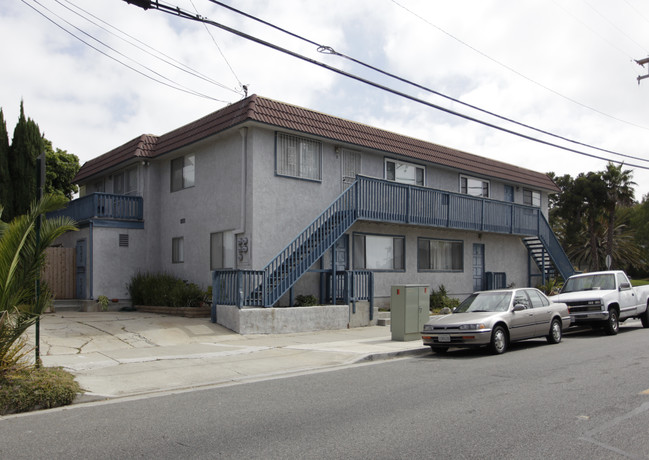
(428, 327)
(472, 327)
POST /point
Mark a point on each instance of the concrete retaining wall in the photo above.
(250, 320)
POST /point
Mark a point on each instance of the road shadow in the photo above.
(474, 353)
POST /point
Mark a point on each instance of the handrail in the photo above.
(103, 206)
(385, 201)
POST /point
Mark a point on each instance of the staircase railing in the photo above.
(379, 200)
(555, 251)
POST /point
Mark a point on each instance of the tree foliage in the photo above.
(60, 171)
(25, 147)
(22, 255)
(586, 218)
(18, 162)
(5, 179)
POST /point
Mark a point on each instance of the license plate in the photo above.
(444, 338)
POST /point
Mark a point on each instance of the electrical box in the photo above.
(409, 311)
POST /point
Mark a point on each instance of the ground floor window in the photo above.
(221, 250)
(379, 252)
(440, 255)
(178, 250)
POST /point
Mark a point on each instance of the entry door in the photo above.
(478, 267)
(341, 253)
(80, 277)
(351, 166)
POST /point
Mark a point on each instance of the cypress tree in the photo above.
(26, 145)
(5, 179)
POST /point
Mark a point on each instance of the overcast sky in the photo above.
(562, 66)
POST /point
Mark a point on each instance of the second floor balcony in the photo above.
(103, 206)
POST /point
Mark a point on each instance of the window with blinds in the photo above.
(298, 157)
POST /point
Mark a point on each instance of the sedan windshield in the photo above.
(485, 301)
(589, 283)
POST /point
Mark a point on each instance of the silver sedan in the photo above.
(497, 318)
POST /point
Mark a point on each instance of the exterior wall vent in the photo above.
(123, 240)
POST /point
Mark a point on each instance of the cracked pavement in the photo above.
(115, 354)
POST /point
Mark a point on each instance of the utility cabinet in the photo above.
(409, 311)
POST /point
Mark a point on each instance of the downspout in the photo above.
(242, 220)
(244, 183)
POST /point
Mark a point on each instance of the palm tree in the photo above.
(22, 255)
(626, 252)
(619, 194)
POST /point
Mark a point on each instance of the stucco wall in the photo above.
(213, 204)
(113, 266)
(236, 189)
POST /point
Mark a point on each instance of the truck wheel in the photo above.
(555, 332)
(613, 323)
(645, 317)
(498, 344)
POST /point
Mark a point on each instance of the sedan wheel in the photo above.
(498, 343)
(613, 323)
(555, 332)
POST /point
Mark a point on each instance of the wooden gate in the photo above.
(59, 272)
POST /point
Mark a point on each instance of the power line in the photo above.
(177, 11)
(329, 50)
(165, 58)
(218, 48)
(170, 85)
(511, 69)
(614, 26)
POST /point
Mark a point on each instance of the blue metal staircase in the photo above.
(378, 200)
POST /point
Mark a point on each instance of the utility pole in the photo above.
(641, 63)
(40, 183)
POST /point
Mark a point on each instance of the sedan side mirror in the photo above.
(519, 307)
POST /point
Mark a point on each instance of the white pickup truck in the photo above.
(604, 299)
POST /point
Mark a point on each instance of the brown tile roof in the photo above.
(142, 146)
(286, 116)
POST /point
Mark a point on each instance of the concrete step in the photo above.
(383, 318)
(383, 322)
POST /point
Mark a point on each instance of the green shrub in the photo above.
(161, 289)
(439, 299)
(36, 388)
(185, 295)
(306, 301)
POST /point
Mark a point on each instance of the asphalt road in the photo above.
(583, 398)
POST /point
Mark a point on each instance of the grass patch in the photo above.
(639, 282)
(36, 388)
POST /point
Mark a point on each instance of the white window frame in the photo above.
(400, 171)
(471, 189)
(367, 248)
(298, 157)
(445, 250)
(534, 197)
(182, 172)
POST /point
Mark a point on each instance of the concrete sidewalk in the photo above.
(116, 354)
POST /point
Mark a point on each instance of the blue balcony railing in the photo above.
(103, 206)
(378, 200)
